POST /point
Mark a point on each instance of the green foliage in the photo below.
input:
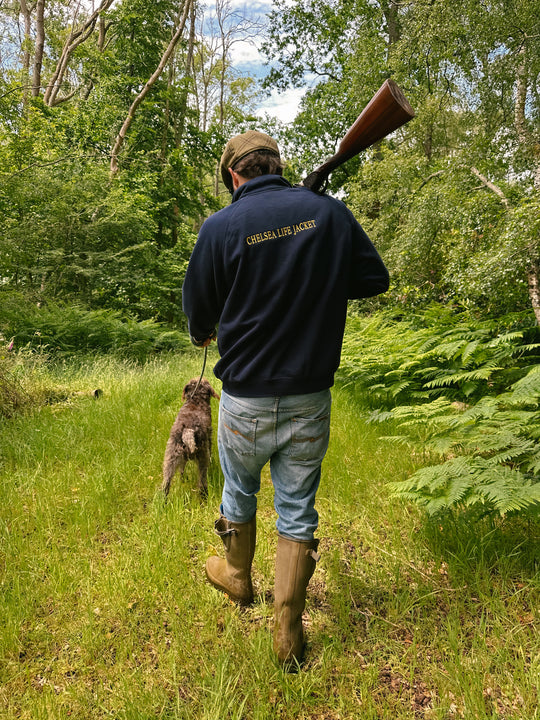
(451, 199)
(463, 393)
(490, 452)
(443, 235)
(313, 36)
(70, 235)
(69, 330)
(496, 275)
(390, 359)
(69, 232)
(445, 198)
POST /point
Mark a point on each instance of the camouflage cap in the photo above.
(240, 146)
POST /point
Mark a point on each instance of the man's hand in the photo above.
(204, 343)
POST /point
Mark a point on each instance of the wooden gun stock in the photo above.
(387, 110)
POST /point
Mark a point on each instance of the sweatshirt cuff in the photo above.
(200, 342)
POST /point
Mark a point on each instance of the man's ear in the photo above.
(234, 177)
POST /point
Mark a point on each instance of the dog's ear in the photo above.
(211, 391)
(188, 389)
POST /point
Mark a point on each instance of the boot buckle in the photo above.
(221, 527)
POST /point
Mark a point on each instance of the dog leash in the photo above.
(202, 373)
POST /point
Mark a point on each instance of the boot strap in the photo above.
(314, 554)
(227, 531)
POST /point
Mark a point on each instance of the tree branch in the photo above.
(430, 177)
(494, 188)
(75, 38)
(146, 89)
(39, 164)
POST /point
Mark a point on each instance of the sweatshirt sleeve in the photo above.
(200, 300)
(368, 274)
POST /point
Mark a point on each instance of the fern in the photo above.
(527, 389)
(390, 363)
(490, 452)
(470, 481)
(446, 379)
(465, 392)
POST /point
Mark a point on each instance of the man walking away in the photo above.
(274, 269)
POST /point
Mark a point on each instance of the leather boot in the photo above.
(295, 564)
(232, 575)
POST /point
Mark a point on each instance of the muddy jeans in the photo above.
(292, 433)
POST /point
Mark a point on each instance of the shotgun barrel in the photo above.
(387, 110)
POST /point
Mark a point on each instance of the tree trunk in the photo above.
(75, 38)
(146, 89)
(40, 44)
(180, 125)
(26, 51)
(531, 144)
(27, 33)
(167, 115)
(529, 141)
(520, 120)
(534, 290)
(390, 12)
(223, 11)
(494, 188)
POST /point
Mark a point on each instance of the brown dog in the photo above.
(191, 435)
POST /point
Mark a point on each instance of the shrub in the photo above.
(388, 362)
(23, 383)
(490, 451)
(466, 393)
(67, 330)
(12, 395)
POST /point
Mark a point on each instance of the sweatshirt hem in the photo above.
(277, 388)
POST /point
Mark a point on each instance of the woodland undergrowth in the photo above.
(465, 394)
(105, 609)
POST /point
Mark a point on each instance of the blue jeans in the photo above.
(291, 432)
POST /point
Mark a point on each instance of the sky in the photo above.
(247, 59)
(284, 105)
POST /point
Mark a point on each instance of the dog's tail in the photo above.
(188, 438)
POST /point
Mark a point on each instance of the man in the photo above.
(275, 269)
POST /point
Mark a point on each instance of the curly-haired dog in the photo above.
(191, 434)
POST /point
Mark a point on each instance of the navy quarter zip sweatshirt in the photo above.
(274, 270)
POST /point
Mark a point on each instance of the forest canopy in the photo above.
(113, 117)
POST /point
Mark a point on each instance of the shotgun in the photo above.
(387, 110)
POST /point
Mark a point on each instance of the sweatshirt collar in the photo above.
(260, 183)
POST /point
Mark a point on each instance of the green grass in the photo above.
(105, 612)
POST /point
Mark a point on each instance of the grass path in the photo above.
(105, 613)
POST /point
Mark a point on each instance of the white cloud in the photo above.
(245, 52)
(282, 105)
(247, 59)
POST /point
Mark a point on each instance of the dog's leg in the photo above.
(204, 464)
(203, 486)
(171, 464)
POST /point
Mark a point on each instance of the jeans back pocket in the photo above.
(309, 438)
(239, 433)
